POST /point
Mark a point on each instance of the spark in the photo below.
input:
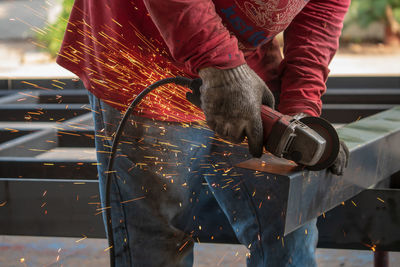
(107, 249)
(131, 200)
(183, 245)
(26, 94)
(57, 81)
(38, 150)
(84, 237)
(12, 130)
(372, 247)
(59, 87)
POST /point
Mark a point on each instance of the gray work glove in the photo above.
(342, 159)
(231, 100)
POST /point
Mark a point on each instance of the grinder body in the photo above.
(289, 138)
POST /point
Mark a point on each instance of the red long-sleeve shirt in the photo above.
(119, 47)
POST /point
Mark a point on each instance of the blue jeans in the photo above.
(160, 201)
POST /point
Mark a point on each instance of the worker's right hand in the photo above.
(231, 100)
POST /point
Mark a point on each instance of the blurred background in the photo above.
(30, 35)
(31, 32)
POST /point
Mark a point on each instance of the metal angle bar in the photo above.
(374, 155)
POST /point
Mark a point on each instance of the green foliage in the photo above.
(364, 12)
(54, 32)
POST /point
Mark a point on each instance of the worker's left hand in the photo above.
(341, 161)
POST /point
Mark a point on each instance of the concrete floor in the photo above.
(51, 252)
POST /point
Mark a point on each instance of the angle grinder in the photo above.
(309, 141)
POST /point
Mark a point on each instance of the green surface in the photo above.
(371, 128)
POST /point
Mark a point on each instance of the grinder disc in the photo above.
(328, 132)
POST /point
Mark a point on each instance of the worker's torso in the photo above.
(254, 22)
(115, 48)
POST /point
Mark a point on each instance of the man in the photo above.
(119, 47)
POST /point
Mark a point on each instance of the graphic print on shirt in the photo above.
(272, 15)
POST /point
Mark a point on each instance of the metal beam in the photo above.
(374, 155)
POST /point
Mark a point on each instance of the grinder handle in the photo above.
(269, 118)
